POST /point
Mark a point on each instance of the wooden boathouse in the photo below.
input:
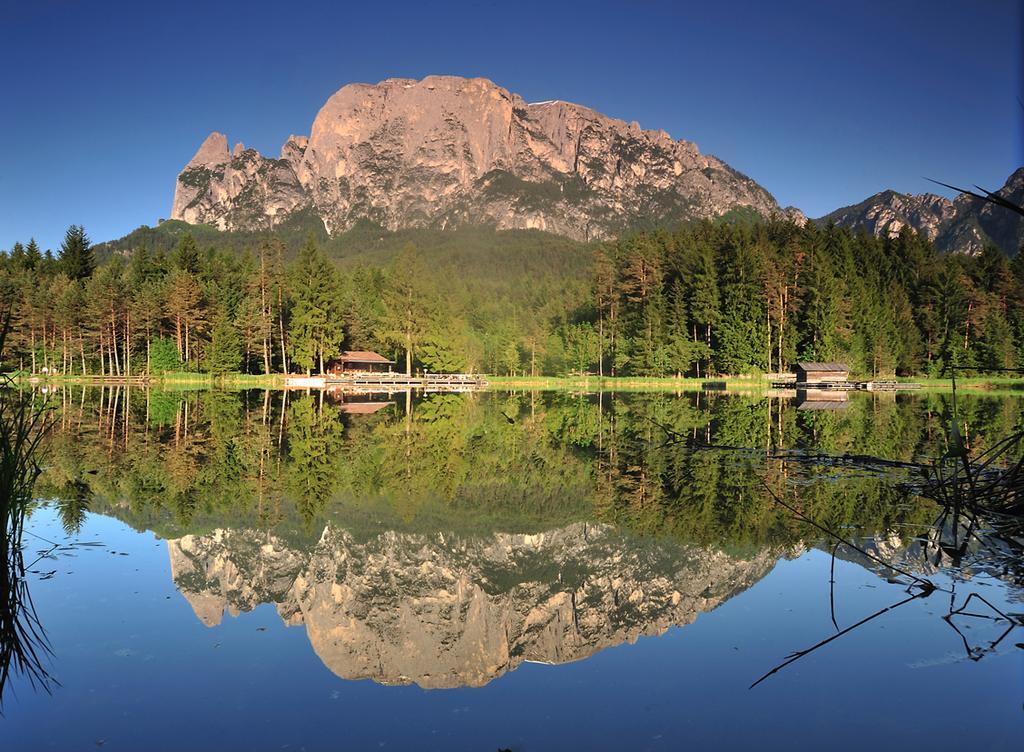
(819, 377)
(821, 373)
(359, 361)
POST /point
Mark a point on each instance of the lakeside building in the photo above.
(359, 361)
(818, 373)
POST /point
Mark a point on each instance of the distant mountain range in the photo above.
(964, 224)
(447, 152)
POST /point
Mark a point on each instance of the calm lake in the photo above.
(525, 571)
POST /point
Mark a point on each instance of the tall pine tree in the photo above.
(76, 256)
(316, 322)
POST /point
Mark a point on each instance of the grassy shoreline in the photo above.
(626, 383)
(756, 383)
(753, 383)
(174, 380)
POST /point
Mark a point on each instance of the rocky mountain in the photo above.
(442, 610)
(964, 224)
(449, 151)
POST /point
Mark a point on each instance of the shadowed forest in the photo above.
(704, 299)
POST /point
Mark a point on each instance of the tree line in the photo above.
(715, 298)
(703, 299)
(212, 311)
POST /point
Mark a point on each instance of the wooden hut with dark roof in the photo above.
(359, 361)
(821, 373)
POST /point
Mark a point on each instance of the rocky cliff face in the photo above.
(962, 225)
(445, 611)
(449, 151)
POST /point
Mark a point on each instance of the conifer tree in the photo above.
(185, 307)
(406, 305)
(316, 330)
(186, 254)
(33, 257)
(704, 300)
(225, 352)
(76, 255)
(742, 330)
(17, 256)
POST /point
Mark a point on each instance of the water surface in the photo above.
(489, 571)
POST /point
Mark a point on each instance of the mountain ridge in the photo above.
(446, 151)
(441, 610)
(963, 224)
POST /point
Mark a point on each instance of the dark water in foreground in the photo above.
(491, 571)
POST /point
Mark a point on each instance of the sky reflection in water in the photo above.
(138, 665)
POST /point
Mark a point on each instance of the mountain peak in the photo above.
(445, 151)
(213, 151)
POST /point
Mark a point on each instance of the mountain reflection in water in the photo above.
(442, 610)
(444, 541)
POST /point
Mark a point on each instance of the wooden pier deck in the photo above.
(390, 381)
(877, 385)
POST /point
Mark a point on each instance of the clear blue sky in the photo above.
(823, 103)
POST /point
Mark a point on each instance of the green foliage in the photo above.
(163, 356)
(407, 305)
(314, 441)
(749, 297)
(733, 296)
(316, 317)
(440, 354)
(76, 255)
(514, 462)
(199, 177)
(225, 352)
(186, 254)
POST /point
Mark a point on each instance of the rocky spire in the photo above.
(214, 151)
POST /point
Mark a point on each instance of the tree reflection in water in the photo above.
(318, 483)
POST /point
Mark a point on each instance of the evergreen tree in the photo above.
(17, 256)
(225, 351)
(186, 309)
(407, 305)
(681, 352)
(704, 300)
(164, 356)
(742, 331)
(821, 314)
(186, 254)
(254, 328)
(709, 296)
(76, 255)
(147, 309)
(33, 257)
(606, 300)
(316, 319)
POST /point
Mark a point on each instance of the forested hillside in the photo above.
(180, 297)
(703, 299)
(719, 298)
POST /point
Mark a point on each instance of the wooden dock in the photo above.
(887, 386)
(878, 385)
(390, 381)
